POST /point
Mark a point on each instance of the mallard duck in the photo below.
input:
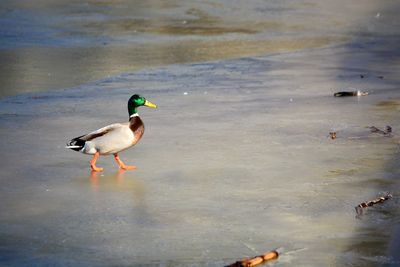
(113, 138)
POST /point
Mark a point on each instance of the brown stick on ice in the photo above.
(350, 93)
(360, 207)
(387, 131)
(250, 262)
(333, 135)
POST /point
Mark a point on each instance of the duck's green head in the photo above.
(136, 101)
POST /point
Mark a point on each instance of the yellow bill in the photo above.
(149, 104)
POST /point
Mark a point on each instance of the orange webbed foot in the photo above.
(122, 165)
(96, 169)
(93, 163)
(127, 167)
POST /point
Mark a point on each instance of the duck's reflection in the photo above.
(94, 179)
(117, 182)
(118, 177)
(125, 187)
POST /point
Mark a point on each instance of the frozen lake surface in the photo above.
(236, 161)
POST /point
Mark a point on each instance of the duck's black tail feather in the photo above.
(76, 144)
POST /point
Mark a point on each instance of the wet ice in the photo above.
(241, 166)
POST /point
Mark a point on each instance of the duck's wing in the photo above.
(100, 132)
(78, 143)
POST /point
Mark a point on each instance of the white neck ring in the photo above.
(134, 115)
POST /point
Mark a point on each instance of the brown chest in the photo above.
(137, 127)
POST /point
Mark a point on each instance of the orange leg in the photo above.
(93, 163)
(121, 164)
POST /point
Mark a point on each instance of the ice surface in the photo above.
(237, 158)
(239, 165)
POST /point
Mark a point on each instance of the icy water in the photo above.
(236, 160)
(58, 44)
